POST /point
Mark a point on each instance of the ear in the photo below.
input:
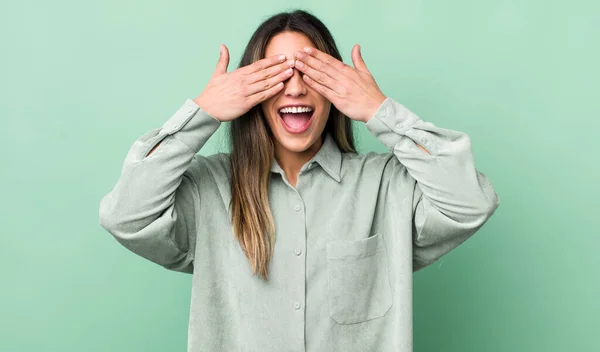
(357, 59)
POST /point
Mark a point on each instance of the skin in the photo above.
(229, 95)
(293, 150)
(318, 80)
(293, 71)
(352, 90)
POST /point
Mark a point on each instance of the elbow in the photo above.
(480, 213)
(490, 205)
(111, 219)
(107, 214)
(489, 200)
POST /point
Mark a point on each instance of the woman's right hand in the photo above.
(228, 96)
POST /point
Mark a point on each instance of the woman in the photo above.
(350, 229)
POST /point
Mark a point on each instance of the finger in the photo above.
(321, 89)
(223, 61)
(263, 64)
(269, 72)
(317, 75)
(306, 62)
(265, 94)
(357, 59)
(268, 83)
(327, 59)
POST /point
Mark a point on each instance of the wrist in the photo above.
(375, 106)
(202, 105)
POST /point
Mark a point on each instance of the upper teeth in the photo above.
(296, 109)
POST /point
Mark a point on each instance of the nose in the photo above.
(295, 86)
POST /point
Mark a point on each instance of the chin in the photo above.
(297, 144)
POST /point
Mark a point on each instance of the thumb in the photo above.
(357, 59)
(223, 61)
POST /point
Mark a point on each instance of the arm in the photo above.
(452, 199)
(151, 209)
(156, 146)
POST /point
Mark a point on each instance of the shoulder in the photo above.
(215, 166)
(369, 159)
(373, 163)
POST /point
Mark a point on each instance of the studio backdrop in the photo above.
(81, 81)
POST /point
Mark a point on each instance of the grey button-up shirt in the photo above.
(348, 236)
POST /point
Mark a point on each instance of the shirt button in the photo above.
(297, 305)
(190, 109)
(297, 207)
(398, 125)
(384, 112)
(298, 251)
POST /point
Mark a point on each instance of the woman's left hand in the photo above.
(352, 90)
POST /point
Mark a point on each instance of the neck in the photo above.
(291, 162)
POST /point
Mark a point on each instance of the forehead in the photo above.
(287, 43)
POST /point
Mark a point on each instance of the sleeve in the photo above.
(152, 208)
(451, 199)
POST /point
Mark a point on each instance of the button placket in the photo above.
(298, 250)
(298, 246)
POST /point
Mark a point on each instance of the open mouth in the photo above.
(296, 118)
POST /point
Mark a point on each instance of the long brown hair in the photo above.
(252, 147)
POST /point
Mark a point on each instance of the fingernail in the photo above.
(306, 50)
(281, 57)
(289, 71)
(299, 63)
(290, 63)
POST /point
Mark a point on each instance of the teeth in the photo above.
(296, 109)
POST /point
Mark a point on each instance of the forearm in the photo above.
(153, 149)
(151, 208)
(155, 163)
(440, 160)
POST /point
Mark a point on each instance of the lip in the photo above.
(301, 128)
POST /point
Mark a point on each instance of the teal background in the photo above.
(81, 81)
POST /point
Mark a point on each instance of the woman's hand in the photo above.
(228, 96)
(352, 90)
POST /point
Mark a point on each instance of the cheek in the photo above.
(270, 117)
(268, 105)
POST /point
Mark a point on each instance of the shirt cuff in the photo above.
(191, 125)
(391, 121)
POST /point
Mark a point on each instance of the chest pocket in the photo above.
(359, 283)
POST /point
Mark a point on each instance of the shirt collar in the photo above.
(329, 157)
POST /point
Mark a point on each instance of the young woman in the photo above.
(296, 242)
